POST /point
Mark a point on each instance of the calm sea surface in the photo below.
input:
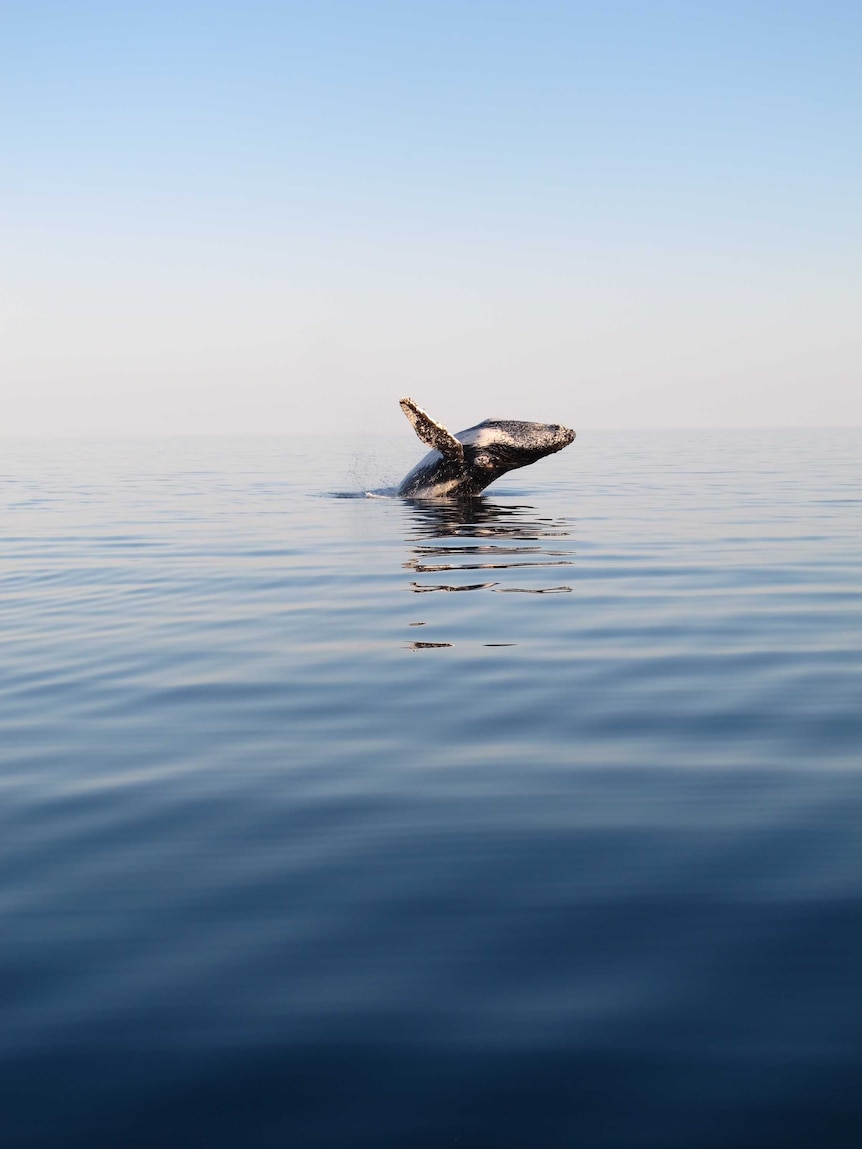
(339, 822)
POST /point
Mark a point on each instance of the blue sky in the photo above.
(278, 216)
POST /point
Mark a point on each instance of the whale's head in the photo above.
(499, 445)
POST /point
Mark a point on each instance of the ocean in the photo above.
(334, 821)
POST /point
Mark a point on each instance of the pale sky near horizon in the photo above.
(277, 217)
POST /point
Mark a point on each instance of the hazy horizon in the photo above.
(281, 218)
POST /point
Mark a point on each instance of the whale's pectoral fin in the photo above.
(432, 434)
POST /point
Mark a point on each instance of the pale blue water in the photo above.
(346, 822)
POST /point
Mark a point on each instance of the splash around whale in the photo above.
(464, 464)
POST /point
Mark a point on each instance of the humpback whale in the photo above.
(464, 464)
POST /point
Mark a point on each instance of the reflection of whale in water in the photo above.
(464, 464)
(475, 534)
(480, 517)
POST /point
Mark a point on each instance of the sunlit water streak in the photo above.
(301, 847)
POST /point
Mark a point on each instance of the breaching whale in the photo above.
(464, 464)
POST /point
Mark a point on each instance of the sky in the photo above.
(267, 217)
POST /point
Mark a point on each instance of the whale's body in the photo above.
(464, 464)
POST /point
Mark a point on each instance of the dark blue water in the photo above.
(349, 822)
